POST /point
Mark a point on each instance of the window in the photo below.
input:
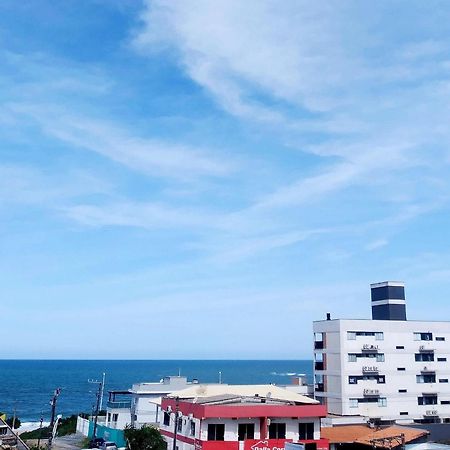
(402, 391)
(382, 401)
(443, 380)
(442, 359)
(353, 357)
(180, 425)
(166, 419)
(403, 413)
(401, 369)
(192, 428)
(216, 432)
(3, 431)
(445, 402)
(424, 356)
(306, 430)
(109, 417)
(440, 338)
(353, 379)
(426, 378)
(400, 347)
(423, 336)
(277, 430)
(246, 431)
(310, 446)
(351, 335)
(427, 400)
(353, 402)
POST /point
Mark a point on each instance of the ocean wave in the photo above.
(287, 374)
(30, 426)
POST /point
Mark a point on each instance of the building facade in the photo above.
(387, 368)
(239, 420)
(140, 405)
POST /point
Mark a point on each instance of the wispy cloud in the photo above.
(150, 156)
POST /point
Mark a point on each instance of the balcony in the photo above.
(319, 365)
(426, 348)
(371, 348)
(371, 393)
(119, 405)
(369, 369)
(319, 345)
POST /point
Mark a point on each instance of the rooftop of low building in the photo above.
(267, 392)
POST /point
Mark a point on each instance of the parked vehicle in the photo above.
(108, 446)
(96, 443)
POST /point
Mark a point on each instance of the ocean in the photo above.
(27, 386)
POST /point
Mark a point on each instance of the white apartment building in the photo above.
(140, 405)
(387, 368)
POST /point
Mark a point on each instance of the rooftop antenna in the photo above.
(220, 377)
(179, 371)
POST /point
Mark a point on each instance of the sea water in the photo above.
(27, 386)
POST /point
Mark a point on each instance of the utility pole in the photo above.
(97, 405)
(53, 405)
(103, 389)
(175, 429)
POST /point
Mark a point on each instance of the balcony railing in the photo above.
(425, 349)
(119, 405)
(369, 348)
(371, 393)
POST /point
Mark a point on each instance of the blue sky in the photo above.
(203, 179)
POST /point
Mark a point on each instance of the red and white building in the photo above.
(247, 417)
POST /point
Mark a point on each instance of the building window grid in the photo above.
(424, 357)
(306, 431)
(427, 400)
(379, 335)
(277, 430)
(246, 431)
(216, 432)
(423, 336)
(354, 402)
(353, 379)
(353, 357)
(426, 378)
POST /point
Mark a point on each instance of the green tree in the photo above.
(145, 438)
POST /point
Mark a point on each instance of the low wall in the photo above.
(108, 434)
(82, 426)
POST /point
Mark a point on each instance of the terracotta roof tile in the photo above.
(362, 434)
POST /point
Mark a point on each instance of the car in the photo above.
(108, 446)
(96, 443)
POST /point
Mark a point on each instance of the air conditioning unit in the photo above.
(190, 416)
(268, 421)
